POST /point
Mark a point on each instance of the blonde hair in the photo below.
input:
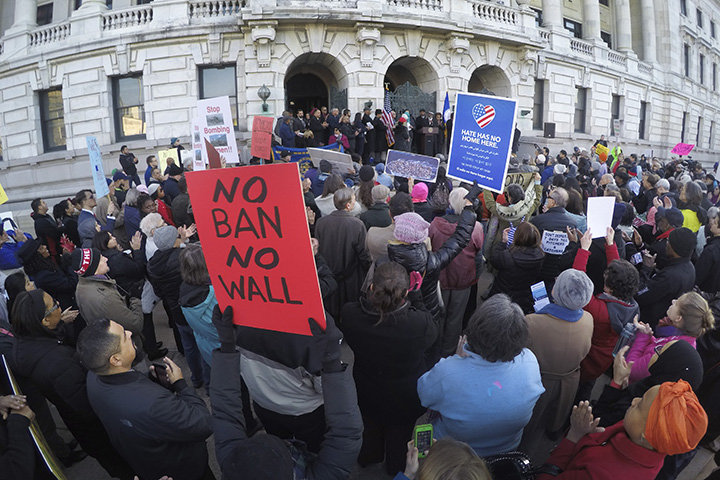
(697, 318)
(450, 459)
(457, 199)
(150, 222)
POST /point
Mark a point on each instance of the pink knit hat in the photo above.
(419, 193)
(411, 227)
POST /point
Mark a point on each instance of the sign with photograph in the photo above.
(96, 167)
(341, 162)
(411, 165)
(216, 126)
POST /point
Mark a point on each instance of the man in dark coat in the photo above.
(342, 245)
(421, 121)
(379, 214)
(664, 285)
(381, 144)
(181, 206)
(158, 430)
(286, 132)
(46, 228)
(128, 161)
(87, 222)
(369, 135)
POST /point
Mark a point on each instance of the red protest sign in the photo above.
(213, 156)
(682, 149)
(261, 141)
(252, 225)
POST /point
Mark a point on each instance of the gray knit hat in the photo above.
(379, 193)
(164, 237)
(573, 289)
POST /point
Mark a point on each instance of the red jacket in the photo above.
(462, 271)
(609, 455)
(604, 337)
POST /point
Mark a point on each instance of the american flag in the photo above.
(388, 120)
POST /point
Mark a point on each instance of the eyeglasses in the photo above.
(658, 349)
(55, 306)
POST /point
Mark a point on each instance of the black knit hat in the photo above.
(27, 250)
(84, 261)
(367, 173)
(682, 241)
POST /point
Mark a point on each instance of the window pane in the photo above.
(132, 121)
(129, 107)
(129, 91)
(53, 105)
(217, 82)
(53, 122)
(44, 14)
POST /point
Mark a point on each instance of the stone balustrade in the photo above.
(213, 9)
(49, 34)
(495, 13)
(581, 47)
(617, 58)
(133, 17)
(432, 5)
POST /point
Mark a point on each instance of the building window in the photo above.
(682, 127)
(686, 58)
(712, 29)
(614, 113)
(698, 135)
(129, 108)
(573, 27)
(53, 119)
(539, 104)
(643, 117)
(714, 76)
(607, 38)
(217, 82)
(711, 140)
(44, 14)
(699, 18)
(538, 17)
(605, 2)
(580, 104)
(683, 7)
(701, 64)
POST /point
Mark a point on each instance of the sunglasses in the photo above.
(55, 306)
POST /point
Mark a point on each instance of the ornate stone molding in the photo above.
(458, 44)
(263, 37)
(368, 35)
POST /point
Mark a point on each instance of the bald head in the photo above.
(560, 197)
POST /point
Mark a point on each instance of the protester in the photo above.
(378, 214)
(128, 162)
(420, 204)
(445, 457)
(87, 223)
(46, 228)
(9, 245)
(17, 449)
(378, 237)
(181, 209)
(157, 194)
(58, 281)
(64, 213)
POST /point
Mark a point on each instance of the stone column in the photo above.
(552, 14)
(623, 26)
(61, 10)
(121, 4)
(25, 14)
(648, 31)
(93, 5)
(591, 20)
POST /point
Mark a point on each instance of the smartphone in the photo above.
(161, 374)
(423, 435)
(636, 258)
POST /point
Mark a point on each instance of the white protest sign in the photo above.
(554, 243)
(197, 144)
(341, 162)
(216, 126)
(599, 215)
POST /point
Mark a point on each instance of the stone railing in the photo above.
(134, 17)
(617, 58)
(580, 46)
(495, 13)
(544, 35)
(50, 34)
(432, 5)
(2, 48)
(645, 67)
(215, 8)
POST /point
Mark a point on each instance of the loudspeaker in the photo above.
(549, 130)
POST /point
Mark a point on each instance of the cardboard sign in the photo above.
(163, 156)
(600, 148)
(522, 179)
(3, 195)
(599, 215)
(482, 135)
(40, 443)
(261, 142)
(96, 167)
(341, 162)
(411, 165)
(682, 149)
(554, 243)
(252, 225)
(216, 126)
(301, 155)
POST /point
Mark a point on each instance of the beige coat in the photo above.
(99, 297)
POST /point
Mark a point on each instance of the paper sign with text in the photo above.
(599, 215)
(682, 149)
(341, 162)
(164, 155)
(96, 167)
(198, 160)
(261, 142)
(411, 165)
(254, 232)
(216, 126)
(554, 243)
(482, 135)
(3, 196)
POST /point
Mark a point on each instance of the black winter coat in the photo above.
(415, 258)
(57, 283)
(518, 269)
(376, 216)
(707, 268)
(381, 144)
(662, 287)
(17, 450)
(389, 359)
(369, 135)
(127, 270)
(48, 231)
(555, 219)
(70, 228)
(164, 273)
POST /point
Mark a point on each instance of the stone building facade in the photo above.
(133, 72)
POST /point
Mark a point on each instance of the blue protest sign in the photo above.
(482, 136)
(301, 155)
(411, 165)
(96, 167)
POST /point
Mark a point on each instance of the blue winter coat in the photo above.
(199, 317)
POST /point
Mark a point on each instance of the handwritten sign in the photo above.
(96, 167)
(216, 126)
(261, 142)
(252, 225)
(411, 165)
(482, 135)
(164, 155)
(682, 149)
(554, 243)
(522, 179)
(3, 195)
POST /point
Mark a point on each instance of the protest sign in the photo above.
(301, 155)
(216, 126)
(3, 195)
(96, 167)
(522, 179)
(214, 158)
(554, 243)
(482, 134)
(261, 142)
(164, 155)
(186, 158)
(600, 148)
(341, 162)
(252, 225)
(411, 165)
(682, 149)
(38, 438)
(198, 160)
(599, 215)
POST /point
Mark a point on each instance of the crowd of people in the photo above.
(590, 354)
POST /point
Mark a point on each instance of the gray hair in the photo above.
(131, 197)
(713, 212)
(342, 197)
(560, 196)
(150, 223)
(573, 289)
(498, 331)
(663, 183)
(457, 199)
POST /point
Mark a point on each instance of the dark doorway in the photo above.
(305, 91)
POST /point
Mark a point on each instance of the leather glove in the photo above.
(223, 322)
(329, 340)
(473, 194)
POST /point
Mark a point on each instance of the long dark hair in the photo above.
(60, 208)
(389, 288)
(38, 263)
(27, 314)
(14, 286)
(365, 193)
(100, 241)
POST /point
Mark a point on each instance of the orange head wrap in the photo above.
(676, 422)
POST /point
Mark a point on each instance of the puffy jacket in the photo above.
(415, 258)
(464, 270)
(164, 272)
(197, 303)
(517, 269)
(665, 285)
(8, 259)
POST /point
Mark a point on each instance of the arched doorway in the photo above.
(315, 80)
(413, 84)
(492, 79)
